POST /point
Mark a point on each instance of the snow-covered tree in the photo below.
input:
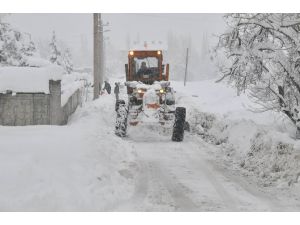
(15, 47)
(60, 57)
(263, 57)
(67, 61)
(55, 53)
(29, 48)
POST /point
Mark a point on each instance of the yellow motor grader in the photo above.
(151, 99)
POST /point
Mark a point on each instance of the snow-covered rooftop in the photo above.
(28, 79)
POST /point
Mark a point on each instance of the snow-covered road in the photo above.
(84, 167)
(182, 177)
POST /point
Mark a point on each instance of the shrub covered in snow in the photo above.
(203, 123)
(274, 157)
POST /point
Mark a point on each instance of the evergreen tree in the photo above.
(28, 46)
(55, 53)
(67, 61)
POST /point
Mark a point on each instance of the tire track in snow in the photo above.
(136, 201)
(141, 187)
(162, 172)
(260, 200)
(202, 167)
(182, 201)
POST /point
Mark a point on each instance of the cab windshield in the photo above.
(146, 67)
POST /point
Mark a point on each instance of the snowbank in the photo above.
(257, 150)
(28, 79)
(79, 167)
(258, 144)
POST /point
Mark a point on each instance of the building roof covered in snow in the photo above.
(28, 79)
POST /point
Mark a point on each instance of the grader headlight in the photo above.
(139, 91)
(131, 53)
(162, 91)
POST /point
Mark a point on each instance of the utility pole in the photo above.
(97, 54)
(101, 53)
(186, 65)
(97, 63)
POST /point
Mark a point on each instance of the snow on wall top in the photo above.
(70, 83)
(148, 45)
(28, 79)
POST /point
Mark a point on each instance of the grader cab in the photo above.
(146, 67)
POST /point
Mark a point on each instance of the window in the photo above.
(146, 67)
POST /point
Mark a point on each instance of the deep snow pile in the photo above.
(257, 144)
(82, 166)
(272, 156)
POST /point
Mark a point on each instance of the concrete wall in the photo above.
(71, 105)
(37, 108)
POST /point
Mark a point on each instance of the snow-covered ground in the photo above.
(84, 167)
(262, 144)
(63, 168)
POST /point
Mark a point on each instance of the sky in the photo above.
(157, 26)
(70, 28)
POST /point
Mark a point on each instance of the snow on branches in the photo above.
(59, 58)
(263, 57)
(55, 53)
(67, 61)
(14, 46)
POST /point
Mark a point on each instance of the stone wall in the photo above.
(37, 108)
